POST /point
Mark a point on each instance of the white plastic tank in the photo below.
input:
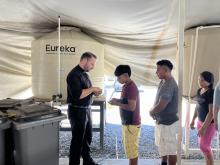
(44, 57)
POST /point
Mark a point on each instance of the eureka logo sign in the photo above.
(64, 49)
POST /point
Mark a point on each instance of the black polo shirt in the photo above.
(203, 101)
(77, 80)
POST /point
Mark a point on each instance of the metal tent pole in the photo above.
(59, 59)
(187, 128)
(181, 27)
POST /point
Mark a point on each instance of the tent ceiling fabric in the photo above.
(134, 32)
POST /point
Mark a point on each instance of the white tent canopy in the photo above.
(137, 33)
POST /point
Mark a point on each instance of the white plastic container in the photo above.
(45, 66)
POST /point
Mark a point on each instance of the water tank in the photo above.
(44, 58)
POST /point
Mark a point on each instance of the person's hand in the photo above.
(97, 91)
(201, 131)
(192, 125)
(152, 114)
(113, 101)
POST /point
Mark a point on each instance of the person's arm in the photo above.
(86, 92)
(160, 106)
(129, 107)
(131, 95)
(76, 90)
(216, 105)
(209, 116)
(195, 115)
(207, 121)
(118, 100)
(215, 116)
(167, 92)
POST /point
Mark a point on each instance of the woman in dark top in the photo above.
(205, 124)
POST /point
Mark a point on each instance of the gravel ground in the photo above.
(147, 149)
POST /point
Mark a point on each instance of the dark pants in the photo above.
(81, 126)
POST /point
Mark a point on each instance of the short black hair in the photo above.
(121, 69)
(87, 55)
(166, 63)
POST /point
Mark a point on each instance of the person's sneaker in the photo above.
(90, 162)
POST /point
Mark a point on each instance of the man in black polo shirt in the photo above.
(79, 99)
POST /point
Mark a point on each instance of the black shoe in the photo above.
(90, 162)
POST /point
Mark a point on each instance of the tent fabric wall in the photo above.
(134, 32)
(15, 64)
(142, 62)
(206, 57)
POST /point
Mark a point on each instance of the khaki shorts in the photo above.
(166, 138)
(131, 135)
